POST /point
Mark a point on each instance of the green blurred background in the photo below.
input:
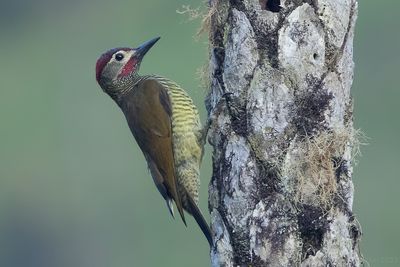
(74, 188)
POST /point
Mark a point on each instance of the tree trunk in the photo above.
(281, 193)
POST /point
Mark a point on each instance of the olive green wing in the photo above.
(150, 123)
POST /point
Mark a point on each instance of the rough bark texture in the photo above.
(281, 192)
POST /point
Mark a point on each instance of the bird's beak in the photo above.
(142, 49)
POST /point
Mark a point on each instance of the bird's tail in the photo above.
(194, 210)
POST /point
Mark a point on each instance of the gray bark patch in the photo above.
(281, 193)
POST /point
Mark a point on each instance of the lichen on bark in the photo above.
(281, 191)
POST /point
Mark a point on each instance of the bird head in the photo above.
(117, 68)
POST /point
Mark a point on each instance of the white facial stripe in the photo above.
(127, 56)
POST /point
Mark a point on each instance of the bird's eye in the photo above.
(119, 56)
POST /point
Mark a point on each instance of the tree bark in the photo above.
(281, 192)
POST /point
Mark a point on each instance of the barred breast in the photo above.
(187, 145)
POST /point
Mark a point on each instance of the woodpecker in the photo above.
(165, 123)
